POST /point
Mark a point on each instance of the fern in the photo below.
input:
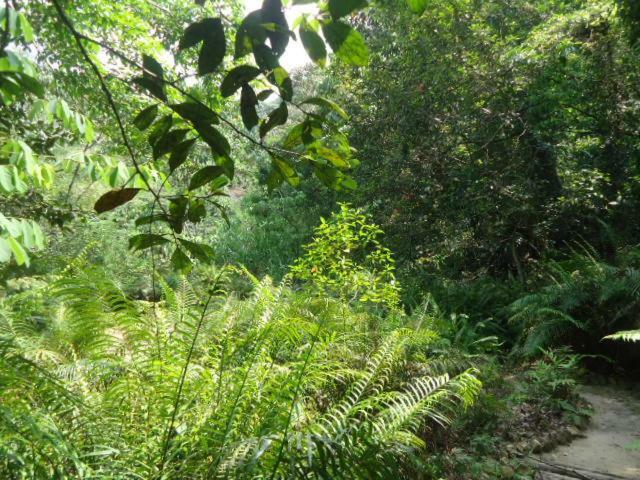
(628, 336)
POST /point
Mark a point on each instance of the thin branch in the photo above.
(173, 84)
(165, 449)
(78, 37)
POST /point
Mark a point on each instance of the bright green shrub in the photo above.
(347, 259)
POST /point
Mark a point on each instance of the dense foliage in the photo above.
(392, 261)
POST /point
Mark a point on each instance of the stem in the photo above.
(293, 404)
(78, 37)
(183, 375)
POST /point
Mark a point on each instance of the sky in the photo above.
(295, 56)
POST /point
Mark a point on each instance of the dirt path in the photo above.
(603, 452)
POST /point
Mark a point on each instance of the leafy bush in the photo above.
(347, 259)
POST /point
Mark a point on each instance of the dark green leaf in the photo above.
(180, 153)
(248, 104)
(149, 219)
(181, 262)
(236, 78)
(340, 8)
(250, 33)
(205, 175)
(202, 252)
(145, 118)
(218, 143)
(161, 127)
(214, 47)
(278, 117)
(314, 45)
(264, 94)
(114, 199)
(153, 86)
(265, 58)
(347, 44)
(195, 112)
(197, 211)
(211, 33)
(152, 67)
(146, 240)
(273, 13)
(167, 142)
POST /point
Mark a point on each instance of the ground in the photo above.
(610, 447)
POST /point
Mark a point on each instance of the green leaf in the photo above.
(6, 178)
(280, 78)
(248, 104)
(200, 251)
(153, 86)
(205, 175)
(197, 211)
(227, 164)
(194, 34)
(181, 262)
(214, 47)
(340, 8)
(273, 13)
(286, 170)
(5, 250)
(196, 112)
(146, 240)
(114, 199)
(161, 127)
(149, 219)
(236, 78)
(325, 103)
(218, 142)
(278, 117)
(167, 142)
(152, 66)
(346, 43)
(177, 211)
(180, 153)
(19, 252)
(210, 32)
(250, 33)
(313, 44)
(418, 6)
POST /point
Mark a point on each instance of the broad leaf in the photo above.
(278, 117)
(248, 104)
(202, 252)
(205, 175)
(340, 8)
(323, 102)
(180, 153)
(114, 199)
(346, 43)
(273, 13)
(146, 240)
(145, 118)
(236, 78)
(313, 44)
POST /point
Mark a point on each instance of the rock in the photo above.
(508, 471)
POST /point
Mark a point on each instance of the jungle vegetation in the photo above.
(219, 263)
